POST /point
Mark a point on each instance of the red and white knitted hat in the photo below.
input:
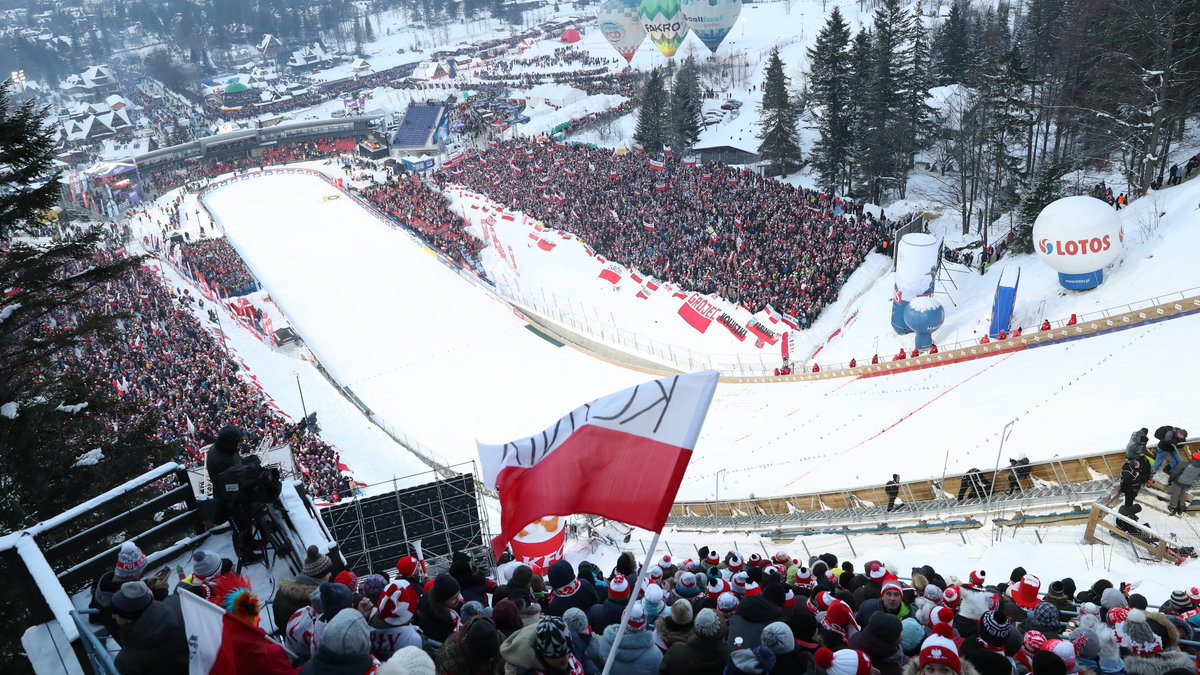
(875, 571)
(978, 578)
(717, 586)
(735, 563)
(781, 557)
(398, 603)
(843, 661)
(618, 587)
(951, 597)
(713, 558)
(1193, 594)
(738, 582)
(940, 651)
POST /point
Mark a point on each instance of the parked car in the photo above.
(731, 104)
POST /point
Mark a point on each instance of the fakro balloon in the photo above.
(664, 24)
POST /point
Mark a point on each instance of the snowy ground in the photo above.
(443, 361)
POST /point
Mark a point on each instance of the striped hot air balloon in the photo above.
(622, 26)
(664, 24)
(711, 20)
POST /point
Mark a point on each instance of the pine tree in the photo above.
(651, 131)
(41, 441)
(1004, 106)
(686, 106)
(951, 48)
(860, 81)
(888, 143)
(780, 143)
(830, 79)
(1045, 186)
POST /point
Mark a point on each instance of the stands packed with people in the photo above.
(169, 354)
(711, 228)
(717, 614)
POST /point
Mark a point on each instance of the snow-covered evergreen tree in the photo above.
(831, 98)
(780, 144)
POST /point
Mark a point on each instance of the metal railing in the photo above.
(99, 658)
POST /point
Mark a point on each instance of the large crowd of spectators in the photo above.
(710, 228)
(220, 265)
(411, 203)
(716, 614)
(174, 362)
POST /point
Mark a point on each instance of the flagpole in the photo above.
(637, 587)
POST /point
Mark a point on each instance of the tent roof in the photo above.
(570, 35)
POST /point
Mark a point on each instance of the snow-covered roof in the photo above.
(112, 150)
(555, 92)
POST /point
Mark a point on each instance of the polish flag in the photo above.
(657, 165)
(622, 457)
(219, 642)
(693, 316)
(649, 225)
(508, 216)
(611, 274)
(546, 245)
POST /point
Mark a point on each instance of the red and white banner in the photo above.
(657, 165)
(219, 642)
(762, 332)
(698, 312)
(611, 273)
(620, 457)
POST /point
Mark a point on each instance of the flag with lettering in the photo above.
(620, 457)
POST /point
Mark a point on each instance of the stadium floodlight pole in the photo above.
(637, 587)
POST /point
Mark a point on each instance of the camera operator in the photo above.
(241, 485)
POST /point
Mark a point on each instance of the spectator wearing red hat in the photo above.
(608, 613)
(890, 601)
(843, 662)
(838, 623)
(409, 569)
(391, 623)
(938, 656)
(876, 574)
(1021, 597)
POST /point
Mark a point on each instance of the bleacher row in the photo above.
(418, 124)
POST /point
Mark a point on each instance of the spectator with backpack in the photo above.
(1169, 438)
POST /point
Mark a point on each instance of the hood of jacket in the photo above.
(866, 641)
(154, 627)
(298, 589)
(1158, 664)
(517, 649)
(757, 609)
(670, 632)
(632, 646)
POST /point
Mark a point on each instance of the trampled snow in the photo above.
(442, 360)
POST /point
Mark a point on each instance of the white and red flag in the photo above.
(620, 457)
(219, 642)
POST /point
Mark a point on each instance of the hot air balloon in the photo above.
(711, 20)
(664, 24)
(622, 27)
